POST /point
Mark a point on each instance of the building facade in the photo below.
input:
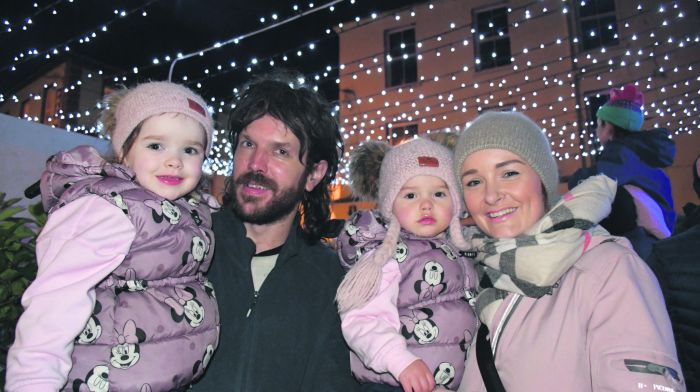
(434, 66)
(63, 95)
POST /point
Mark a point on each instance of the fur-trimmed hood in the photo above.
(365, 165)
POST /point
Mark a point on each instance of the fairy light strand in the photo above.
(592, 65)
(28, 21)
(83, 38)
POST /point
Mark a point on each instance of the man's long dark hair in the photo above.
(308, 115)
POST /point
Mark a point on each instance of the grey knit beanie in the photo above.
(517, 133)
(400, 164)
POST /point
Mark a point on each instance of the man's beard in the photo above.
(279, 206)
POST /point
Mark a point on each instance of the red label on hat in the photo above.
(196, 107)
(428, 161)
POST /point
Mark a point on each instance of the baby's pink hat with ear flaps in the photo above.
(400, 164)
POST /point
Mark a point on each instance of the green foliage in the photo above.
(17, 265)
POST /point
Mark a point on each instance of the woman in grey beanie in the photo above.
(557, 294)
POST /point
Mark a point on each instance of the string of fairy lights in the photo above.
(317, 78)
(32, 53)
(82, 39)
(328, 69)
(25, 23)
(477, 96)
(220, 109)
(164, 59)
(518, 85)
(124, 78)
(360, 122)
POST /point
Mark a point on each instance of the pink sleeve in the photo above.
(372, 331)
(79, 246)
(629, 333)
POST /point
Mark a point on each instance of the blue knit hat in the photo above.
(624, 108)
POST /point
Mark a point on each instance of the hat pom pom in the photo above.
(108, 118)
(447, 139)
(628, 93)
(365, 165)
(361, 284)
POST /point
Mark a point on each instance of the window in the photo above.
(400, 57)
(491, 35)
(593, 102)
(597, 23)
(31, 108)
(501, 108)
(397, 134)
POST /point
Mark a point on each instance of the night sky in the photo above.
(178, 26)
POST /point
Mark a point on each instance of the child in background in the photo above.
(119, 301)
(643, 208)
(404, 303)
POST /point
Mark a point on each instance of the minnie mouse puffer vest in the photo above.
(436, 283)
(155, 322)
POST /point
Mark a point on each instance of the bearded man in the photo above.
(275, 279)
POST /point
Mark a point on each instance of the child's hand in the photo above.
(417, 377)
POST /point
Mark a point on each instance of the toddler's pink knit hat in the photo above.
(151, 99)
(418, 157)
(401, 163)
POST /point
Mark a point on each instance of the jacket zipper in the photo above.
(504, 320)
(256, 294)
(248, 342)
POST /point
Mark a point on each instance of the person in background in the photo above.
(403, 306)
(691, 211)
(563, 305)
(676, 264)
(276, 280)
(120, 301)
(643, 207)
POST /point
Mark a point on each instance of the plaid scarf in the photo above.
(532, 263)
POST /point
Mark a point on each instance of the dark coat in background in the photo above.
(676, 263)
(636, 159)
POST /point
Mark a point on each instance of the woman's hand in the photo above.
(417, 377)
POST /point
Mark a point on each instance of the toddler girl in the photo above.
(404, 303)
(119, 300)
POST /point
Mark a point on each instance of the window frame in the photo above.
(582, 45)
(404, 62)
(600, 98)
(491, 40)
(411, 127)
